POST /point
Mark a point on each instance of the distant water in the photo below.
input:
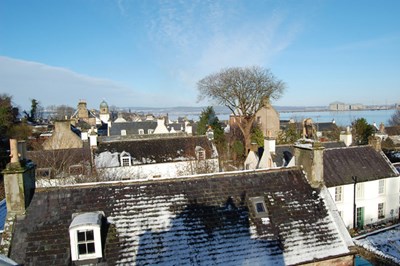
(342, 118)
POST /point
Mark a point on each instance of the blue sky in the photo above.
(152, 53)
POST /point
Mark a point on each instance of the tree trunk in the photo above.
(245, 125)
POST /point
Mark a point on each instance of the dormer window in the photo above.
(125, 159)
(85, 236)
(141, 131)
(200, 153)
(259, 207)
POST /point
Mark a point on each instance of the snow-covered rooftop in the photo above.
(202, 220)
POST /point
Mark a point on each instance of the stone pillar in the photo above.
(19, 182)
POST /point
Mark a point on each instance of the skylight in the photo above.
(259, 207)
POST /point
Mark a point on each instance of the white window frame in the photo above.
(382, 186)
(150, 131)
(86, 242)
(141, 131)
(125, 159)
(359, 190)
(339, 194)
(85, 222)
(123, 132)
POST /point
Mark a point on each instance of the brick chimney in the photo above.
(376, 143)
(19, 181)
(311, 159)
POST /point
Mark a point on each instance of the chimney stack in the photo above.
(19, 181)
(376, 143)
(312, 161)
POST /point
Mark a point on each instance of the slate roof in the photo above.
(132, 128)
(281, 150)
(325, 126)
(393, 131)
(362, 161)
(202, 220)
(159, 150)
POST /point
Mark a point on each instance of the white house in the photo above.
(361, 180)
(156, 158)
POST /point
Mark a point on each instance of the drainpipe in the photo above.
(354, 203)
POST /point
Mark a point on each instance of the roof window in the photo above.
(85, 236)
(260, 209)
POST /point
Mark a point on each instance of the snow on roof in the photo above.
(385, 243)
(201, 220)
(87, 218)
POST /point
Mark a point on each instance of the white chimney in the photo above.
(346, 137)
(269, 143)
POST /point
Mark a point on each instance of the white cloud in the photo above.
(206, 36)
(25, 80)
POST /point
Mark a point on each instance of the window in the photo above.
(200, 153)
(85, 236)
(338, 193)
(123, 132)
(259, 206)
(359, 190)
(76, 169)
(141, 131)
(381, 210)
(85, 242)
(44, 173)
(150, 131)
(125, 159)
(381, 186)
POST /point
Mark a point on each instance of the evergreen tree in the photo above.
(257, 136)
(361, 131)
(208, 119)
(8, 114)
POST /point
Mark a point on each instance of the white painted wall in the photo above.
(251, 161)
(369, 201)
(160, 170)
(161, 128)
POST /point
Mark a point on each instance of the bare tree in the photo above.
(244, 91)
(64, 112)
(395, 118)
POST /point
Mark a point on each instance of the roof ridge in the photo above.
(168, 179)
